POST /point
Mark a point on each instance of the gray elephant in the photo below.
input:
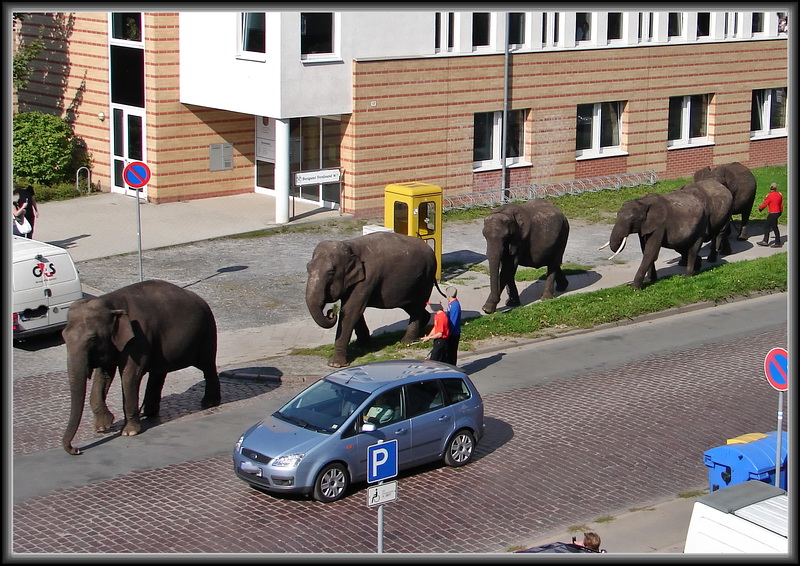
(384, 270)
(675, 220)
(718, 202)
(151, 327)
(741, 182)
(532, 234)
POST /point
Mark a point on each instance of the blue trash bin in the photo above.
(737, 463)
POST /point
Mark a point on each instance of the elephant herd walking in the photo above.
(155, 327)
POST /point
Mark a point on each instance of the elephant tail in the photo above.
(435, 282)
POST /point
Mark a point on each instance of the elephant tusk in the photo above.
(621, 247)
(604, 245)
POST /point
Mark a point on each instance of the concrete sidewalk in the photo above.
(106, 224)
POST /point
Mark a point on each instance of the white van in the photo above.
(750, 517)
(44, 283)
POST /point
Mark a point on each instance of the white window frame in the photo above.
(494, 161)
(490, 32)
(241, 52)
(597, 119)
(334, 54)
(685, 139)
(523, 30)
(766, 115)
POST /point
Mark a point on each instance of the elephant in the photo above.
(718, 202)
(677, 220)
(531, 234)
(151, 327)
(385, 270)
(741, 182)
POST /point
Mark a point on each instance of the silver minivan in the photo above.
(317, 443)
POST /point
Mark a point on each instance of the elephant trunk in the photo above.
(621, 247)
(79, 374)
(316, 301)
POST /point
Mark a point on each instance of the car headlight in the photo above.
(288, 460)
(238, 447)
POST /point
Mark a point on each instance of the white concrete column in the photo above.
(282, 178)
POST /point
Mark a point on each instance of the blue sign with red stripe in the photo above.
(776, 368)
(136, 174)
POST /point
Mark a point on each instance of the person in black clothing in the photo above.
(27, 198)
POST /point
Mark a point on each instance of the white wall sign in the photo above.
(318, 177)
(265, 139)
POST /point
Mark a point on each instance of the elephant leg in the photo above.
(152, 394)
(363, 337)
(724, 244)
(743, 229)
(344, 331)
(508, 276)
(417, 321)
(561, 280)
(212, 397)
(548, 285)
(131, 380)
(103, 418)
(692, 258)
(650, 249)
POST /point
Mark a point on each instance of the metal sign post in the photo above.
(137, 175)
(776, 368)
(381, 465)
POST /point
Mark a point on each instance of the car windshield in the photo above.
(322, 407)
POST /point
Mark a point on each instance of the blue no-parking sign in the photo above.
(136, 174)
(776, 368)
(381, 461)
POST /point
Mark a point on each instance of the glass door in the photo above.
(127, 137)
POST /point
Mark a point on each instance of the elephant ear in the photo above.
(354, 270)
(519, 230)
(123, 329)
(655, 217)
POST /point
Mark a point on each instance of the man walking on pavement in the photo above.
(454, 314)
(773, 202)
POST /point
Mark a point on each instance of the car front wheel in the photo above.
(331, 483)
(460, 448)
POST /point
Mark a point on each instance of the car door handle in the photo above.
(444, 418)
(400, 431)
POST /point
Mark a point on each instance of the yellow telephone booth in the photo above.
(415, 209)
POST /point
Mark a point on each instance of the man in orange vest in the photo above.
(439, 333)
(773, 202)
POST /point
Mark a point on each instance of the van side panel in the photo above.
(714, 532)
(44, 284)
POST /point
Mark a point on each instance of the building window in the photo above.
(615, 25)
(444, 27)
(583, 26)
(516, 28)
(768, 115)
(758, 22)
(688, 120)
(126, 26)
(489, 134)
(437, 31)
(675, 24)
(252, 29)
(316, 33)
(598, 129)
(480, 29)
(703, 24)
(127, 76)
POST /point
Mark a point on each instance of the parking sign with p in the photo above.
(381, 461)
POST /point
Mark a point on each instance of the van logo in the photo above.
(42, 269)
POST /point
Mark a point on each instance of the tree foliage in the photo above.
(43, 148)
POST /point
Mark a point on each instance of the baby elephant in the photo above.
(151, 327)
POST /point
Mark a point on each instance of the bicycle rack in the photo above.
(88, 180)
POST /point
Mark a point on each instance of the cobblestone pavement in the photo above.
(563, 452)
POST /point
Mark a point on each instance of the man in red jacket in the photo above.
(439, 334)
(773, 202)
